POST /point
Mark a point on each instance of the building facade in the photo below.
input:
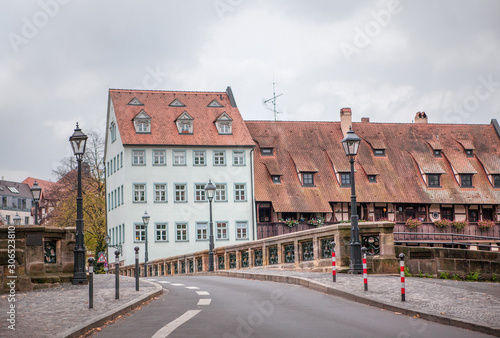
(414, 170)
(15, 199)
(162, 148)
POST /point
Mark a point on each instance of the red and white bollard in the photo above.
(402, 273)
(365, 271)
(334, 269)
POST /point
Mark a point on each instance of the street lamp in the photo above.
(36, 191)
(107, 239)
(351, 144)
(145, 220)
(78, 141)
(17, 219)
(210, 191)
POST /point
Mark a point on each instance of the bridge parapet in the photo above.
(308, 250)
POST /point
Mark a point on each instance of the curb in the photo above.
(112, 314)
(317, 286)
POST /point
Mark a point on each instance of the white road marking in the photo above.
(204, 301)
(153, 280)
(177, 284)
(170, 327)
(164, 282)
(192, 287)
(203, 293)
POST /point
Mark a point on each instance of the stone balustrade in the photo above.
(308, 249)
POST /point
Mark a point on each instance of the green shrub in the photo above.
(444, 275)
(473, 276)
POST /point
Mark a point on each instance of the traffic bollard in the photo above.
(136, 268)
(365, 271)
(91, 282)
(334, 268)
(402, 274)
(117, 274)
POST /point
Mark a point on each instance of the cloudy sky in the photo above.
(384, 59)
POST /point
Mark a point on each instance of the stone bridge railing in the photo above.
(308, 249)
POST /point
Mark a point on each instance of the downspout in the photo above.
(253, 195)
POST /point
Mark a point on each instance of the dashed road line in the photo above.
(170, 327)
(177, 284)
(192, 287)
(203, 293)
(164, 282)
(204, 301)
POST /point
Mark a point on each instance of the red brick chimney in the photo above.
(345, 120)
(421, 117)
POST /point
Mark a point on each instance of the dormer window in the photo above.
(372, 178)
(224, 124)
(266, 151)
(276, 179)
(184, 123)
(379, 152)
(466, 180)
(496, 181)
(437, 153)
(308, 179)
(433, 180)
(142, 123)
(215, 104)
(469, 152)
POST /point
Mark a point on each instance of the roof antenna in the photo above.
(273, 100)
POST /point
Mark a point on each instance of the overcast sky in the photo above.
(384, 59)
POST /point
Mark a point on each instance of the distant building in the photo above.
(15, 199)
(47, 202)
(162, 148)
(419, 170)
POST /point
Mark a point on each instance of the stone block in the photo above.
(462, 265)
(446, 265)
(428, 266)
(24, 283)
(382, 265)
(474, 255)
(70, 266)
(36, 268)
(481, 266)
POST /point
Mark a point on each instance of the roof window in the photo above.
(176, 103)
(215, 104)
(224, 124)
(184, 123)
(135, 102)
(379, 152)
(266, 151)
(469, 152)
(437, 153)
(142, 123)
(13, 190)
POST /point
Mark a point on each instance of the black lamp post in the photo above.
(351, 144)
(107, 239)
(36, 191)
(145, 220)
(78, 141)
(210, 191)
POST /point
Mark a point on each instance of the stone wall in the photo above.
(307, 249)
(37, 256)
(434, 261)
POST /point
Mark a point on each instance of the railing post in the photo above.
(117, 274)
(91, 282)
(136, 268)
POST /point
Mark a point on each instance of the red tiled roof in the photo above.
(409, 149)
(163, 128)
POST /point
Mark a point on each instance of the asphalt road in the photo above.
(229, 307)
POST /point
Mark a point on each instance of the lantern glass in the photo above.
(145, 218)
(351, 143)
(210, 190)
(78, 141)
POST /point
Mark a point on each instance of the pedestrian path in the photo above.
(64, 311)
(470, 305)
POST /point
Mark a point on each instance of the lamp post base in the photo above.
(80, 278)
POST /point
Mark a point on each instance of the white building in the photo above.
(162, 148)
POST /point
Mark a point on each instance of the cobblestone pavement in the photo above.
(52, 312)
(448, 298)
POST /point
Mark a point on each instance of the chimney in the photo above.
(365, 119)
(345, 120)
(420, 117)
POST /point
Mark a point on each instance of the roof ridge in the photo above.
(166, 91)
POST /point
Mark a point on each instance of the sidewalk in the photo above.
(470, 305)
(64, 311)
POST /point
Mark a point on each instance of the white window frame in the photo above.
(179, 157)
(199, 192)
(238, 191)
(197, 156)
(201, 231)
(219, 157)
(158, 192)
(161, 230)
(138, 157)
(137, 192)
(219, 234)
(159, 157)
(238, 157)
(183, 232)
(221, 192)
(241, 230)
(139, 232)
(184, 191)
